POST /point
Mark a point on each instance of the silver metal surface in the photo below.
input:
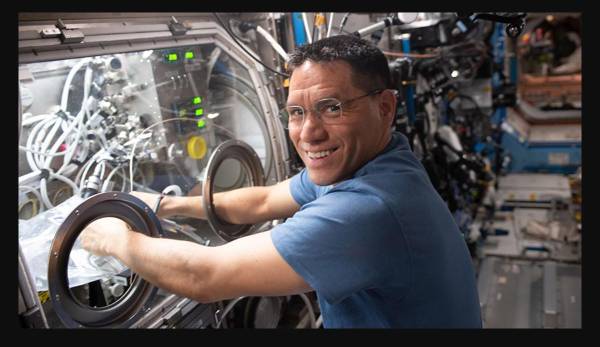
(519, 293)
(550, 295)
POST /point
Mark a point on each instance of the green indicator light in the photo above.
(172, 56)
(189, 55)
(201, 123)
(182, 112)
(199, 111)
(197, 100)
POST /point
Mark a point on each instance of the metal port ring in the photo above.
(241, 151)
(126, 309)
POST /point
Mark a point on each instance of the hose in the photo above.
(272, 41)
(311, 312)
(109, 177)
(226, 310)
(34, 119)
(65, 93)
(329, 24)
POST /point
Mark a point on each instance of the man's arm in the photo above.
(240, 206)
(247, 266)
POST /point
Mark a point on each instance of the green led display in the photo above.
(199, 111)
(201, 123)
(172, 57)
(197, 100)
(189, 55)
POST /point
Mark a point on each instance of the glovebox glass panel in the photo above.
(155, 116)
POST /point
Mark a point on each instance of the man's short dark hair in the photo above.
(369, 65)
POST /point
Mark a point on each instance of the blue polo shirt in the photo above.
(381, 249)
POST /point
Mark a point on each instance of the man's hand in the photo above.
(103, 236)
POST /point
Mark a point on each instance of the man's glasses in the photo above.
(329, 110)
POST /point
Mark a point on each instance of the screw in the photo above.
(55, 253)
(77, 212)
(115, 195)
(57, 297)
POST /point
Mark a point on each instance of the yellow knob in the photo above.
(196, 147)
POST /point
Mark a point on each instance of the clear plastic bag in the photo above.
(35, 237)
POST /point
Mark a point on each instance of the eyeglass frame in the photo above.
(318, 114)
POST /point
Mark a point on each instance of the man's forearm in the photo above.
(247, 205)
(188, 206)
(179, 267)
(240, 206)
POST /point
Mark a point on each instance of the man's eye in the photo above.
(295, 112)
(330, 109)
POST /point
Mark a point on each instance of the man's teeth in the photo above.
(317, 155)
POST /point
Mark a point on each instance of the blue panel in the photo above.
(550, 157)
(298, 24)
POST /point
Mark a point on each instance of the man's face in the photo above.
(333, 152)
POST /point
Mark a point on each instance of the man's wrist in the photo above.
(121, 249)
(165, 204)
(157, 204)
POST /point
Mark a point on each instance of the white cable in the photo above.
(67, 181)
(69, 170)
(48, 138)
(30, 120)
(124, 176)
(72, 146)
(102, 169)
(109, 178)
(140, 187)
(23, 148)
(40, 137)
(82, 169)
(66, 88)
(214, 56)
(61, 139)
(273, 42)
(311, 312)
(88, 122)
(87, 83)
(329, 24)
(70, 150)
(308, 34)
(29, 144)
(226, 310)
(319, 321)
(44, 191)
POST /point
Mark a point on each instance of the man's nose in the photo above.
(312, 128)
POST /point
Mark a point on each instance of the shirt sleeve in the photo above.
(342, 243)
(302, 189)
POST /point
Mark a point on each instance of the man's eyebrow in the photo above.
(332, 94)
(335, 94)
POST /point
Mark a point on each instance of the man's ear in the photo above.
(387, 105)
